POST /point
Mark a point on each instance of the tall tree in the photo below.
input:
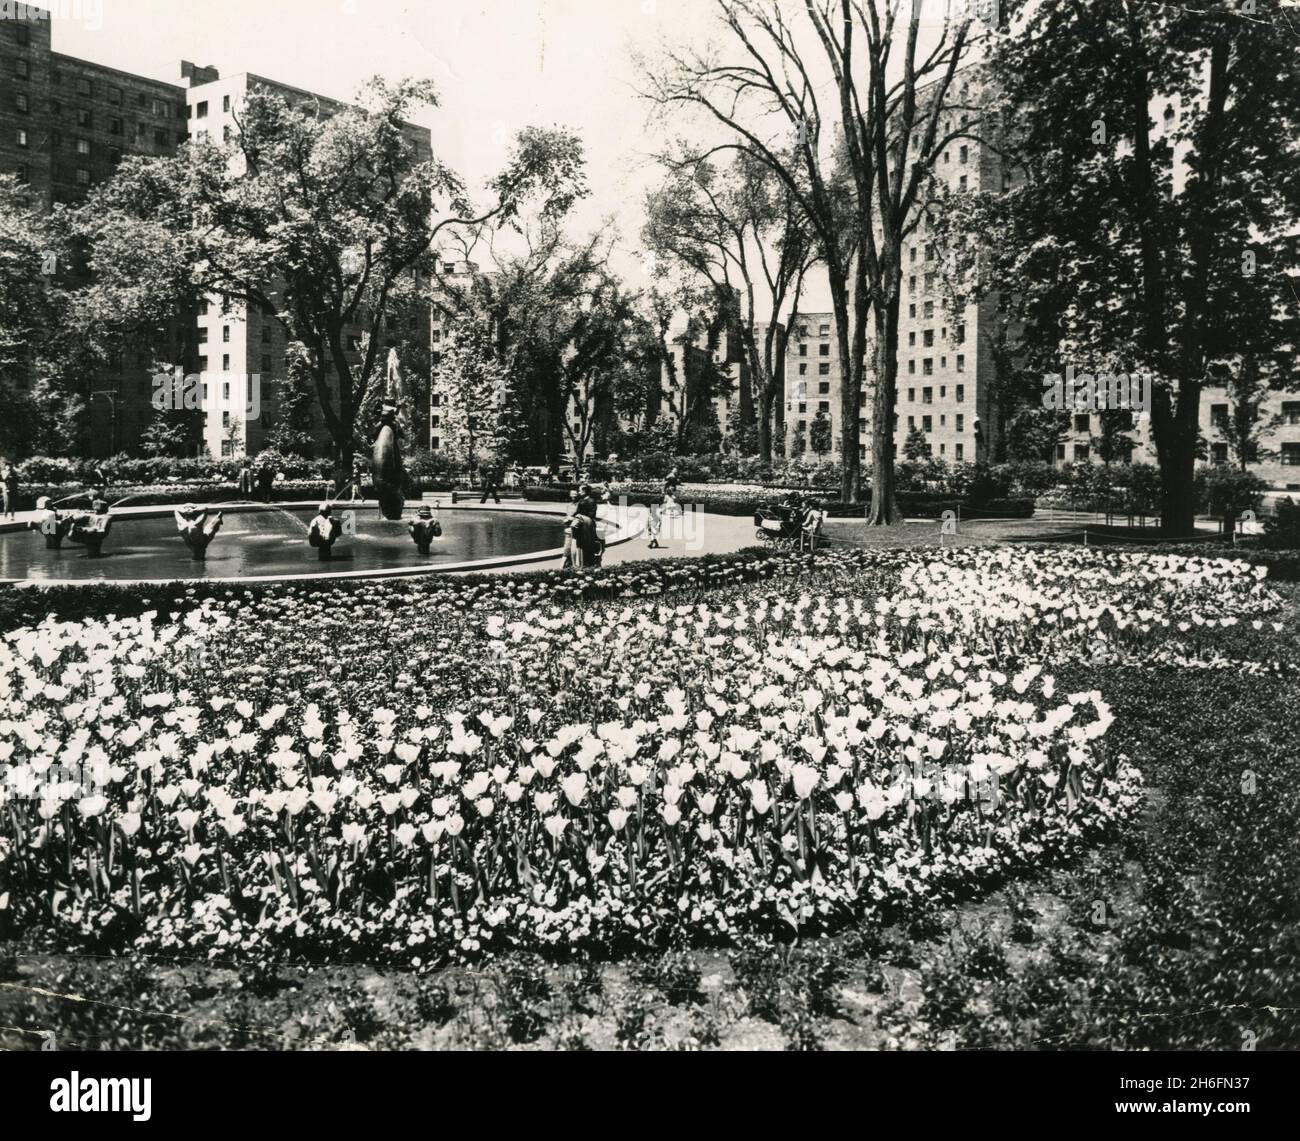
(1159, 145)
(325, 221)
(738, 227)
(860, 166)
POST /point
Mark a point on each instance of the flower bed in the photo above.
(428, 775)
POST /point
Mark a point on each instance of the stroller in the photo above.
(793, 524)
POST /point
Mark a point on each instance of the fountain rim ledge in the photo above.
(624, 532)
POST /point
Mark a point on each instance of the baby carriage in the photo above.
(791, 524)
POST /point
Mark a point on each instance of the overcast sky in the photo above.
(498, 65)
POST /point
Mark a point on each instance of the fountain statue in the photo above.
(194, 529)
(386, 458)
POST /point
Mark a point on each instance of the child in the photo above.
(653, 526)
(424, 529)
(190, 524)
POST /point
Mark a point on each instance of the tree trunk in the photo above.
(884, 506)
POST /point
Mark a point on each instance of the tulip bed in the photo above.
(459, 769)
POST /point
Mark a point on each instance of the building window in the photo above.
(961, 182)
(83, 176)
(23, 172)
(225, 102)
(1291, 411)
(115, 96)
(160, 137)
(927, 423)
(803, 350)
(24, 35)
(203, 334)
(1219, 416)
(803, 408)
(225, 333)
(824, 350)
(225, 418)
(961, 362)
(823, 330)
(823, 370)
(115, 126)
(927, 366)
(960, 420)
(911, 340)
(911, 312)
(927, 338)
(160, 107)
(959, 451)
(1081, 452)
(84, 88)
(824, 387)
(962, 155)
(803, 370)
(929, 310)
(1083, 423)
(83, 146)
(21, 137)
(911, 368)
(202, 112)
(823, 406)
(225, 362)
(266, 363)
(225, 391)
(84, 118)
(959, 334)
(959, 393)
(1291, 455)
(927, 396)
(911, 395)
(1219, 453)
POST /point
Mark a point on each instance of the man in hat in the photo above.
(424, 529)
(192, 525)
(324, 530)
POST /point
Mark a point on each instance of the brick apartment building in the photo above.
(65, 124)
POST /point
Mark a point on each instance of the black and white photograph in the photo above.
(649, 527)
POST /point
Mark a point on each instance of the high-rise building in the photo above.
(65, 124)
(242, 351)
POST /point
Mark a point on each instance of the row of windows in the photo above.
(201, 108)
(927, 422)
(927, 365)
(86, 89)
(927, 336)
(927, 394)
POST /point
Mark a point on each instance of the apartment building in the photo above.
(813, 379)
(454, 280)
(242, 350)
(65, 124)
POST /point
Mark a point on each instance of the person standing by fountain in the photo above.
(265, 480)
(191, 523)
(323, 532)
(245, 479)
(424, 529)
(9, 486)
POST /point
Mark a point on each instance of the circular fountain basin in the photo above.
(271, 543)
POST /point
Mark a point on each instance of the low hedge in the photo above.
(917, 505)
(168, 494)
(26, 606)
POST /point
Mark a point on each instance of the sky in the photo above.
(498, 65)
